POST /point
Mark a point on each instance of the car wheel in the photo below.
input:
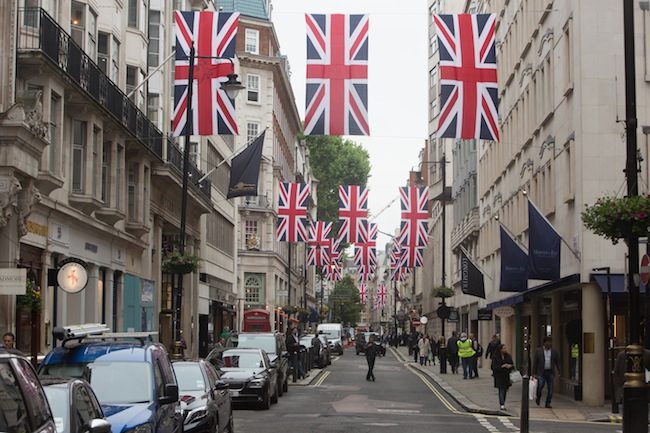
(280, 387)
(276, 395)
(285, 385)
(266, 403)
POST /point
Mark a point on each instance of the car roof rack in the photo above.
(72, 336)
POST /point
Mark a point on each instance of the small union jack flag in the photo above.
(333, 272)
(319, 244)
(414, 227)
(468, 76)
(381, 295)
(353, 211)
(292, 212)
(337, 75)
(365, 252)
(365, 273)
(213, 35)
(363, 293)
(411, 257)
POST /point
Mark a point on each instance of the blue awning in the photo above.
(537, 290)
(617, 282)
(511, 300)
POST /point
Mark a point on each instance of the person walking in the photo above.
(433, 343)
(452, 352)
(371, 355)
(415, 338)
(502, 365)
(545, 364)
(465, 353)
(493, 345)
(478, 352)
(424, 347)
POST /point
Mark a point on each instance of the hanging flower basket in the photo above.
(176, 263)
(442, 292)
(289, 309)
(618, 218)
(31, 300)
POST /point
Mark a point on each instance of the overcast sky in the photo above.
(397, 88)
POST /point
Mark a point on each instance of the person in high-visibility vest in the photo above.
(465, 353)
(573, 361)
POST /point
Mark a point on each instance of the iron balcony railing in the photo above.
(38, 31)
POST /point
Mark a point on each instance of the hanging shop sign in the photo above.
(484, 314)
(13, 281)
(72, 276)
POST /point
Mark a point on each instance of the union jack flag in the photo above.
(363, 293)
(365, 273)
(337, 75)
(353, 211)
(381, 295)
(333, 272)
(468, 76)
(292, 212)
(365, 253)
(399, 274)
(213, 35)
(319, 244)
(411, 257)
(413, 228)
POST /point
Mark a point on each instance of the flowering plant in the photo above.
(31, 300)
(176, 263)
(442, 292)
(615, 218)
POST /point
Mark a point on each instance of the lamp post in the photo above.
(232, 88)
(610, 319)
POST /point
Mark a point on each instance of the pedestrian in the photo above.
(502, 365)
(493, 345)
(433, 351)
(371, 354)
(9, 340)
(545, 364)
(293, 348)
(465, 353)
(415, 337)
(424, 347)
(478, 352)
(452, 352)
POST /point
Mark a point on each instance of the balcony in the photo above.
(468, 228)
(40, 35)
(259, 203)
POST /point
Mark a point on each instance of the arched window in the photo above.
(254, 288)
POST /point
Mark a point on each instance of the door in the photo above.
(203, 335)
(132, 309)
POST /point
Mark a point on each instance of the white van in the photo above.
(334, 333)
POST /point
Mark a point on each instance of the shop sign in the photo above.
(72, 276)
(454, 316)
(13, 281)
(506, 311)
(35, 228)
(484, 314)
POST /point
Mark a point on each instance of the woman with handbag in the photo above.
(502, 365)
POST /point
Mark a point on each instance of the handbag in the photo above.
(515, 376)
(532, 390)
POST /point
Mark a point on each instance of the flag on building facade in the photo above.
(514, 265)
(245, 170)
(213, 35)
(318, 253)
(471, 278)
(544, 244)
(337, 75)
(468, 76)
(292, 212)
(353, 211)
(414, 226)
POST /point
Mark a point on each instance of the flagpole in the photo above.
(469, 257)
(151, 74)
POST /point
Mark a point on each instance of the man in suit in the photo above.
(545, 364)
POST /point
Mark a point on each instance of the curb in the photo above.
(304, 382)
(612, 419)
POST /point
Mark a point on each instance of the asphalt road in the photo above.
(401, 400)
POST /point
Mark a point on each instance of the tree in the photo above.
(335, 162)
(344, 302)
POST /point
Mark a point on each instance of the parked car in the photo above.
(252, 377)
(130, 374)
(327, 346)
(23, 405)
(205, 402)
(74, 406)
(318, 353)
(273, 343)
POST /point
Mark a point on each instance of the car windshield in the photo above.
(264, 342)
(121, 382)
(242, 360)
(59, 400)
(189, 377)
(306, 341)
(332, 334)
(13, 413)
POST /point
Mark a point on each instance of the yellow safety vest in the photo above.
(575, 351)
(465, 349)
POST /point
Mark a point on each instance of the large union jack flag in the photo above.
(213, 35)
(319, 244)
(353, 212)
(337, 75)
(414, 227)
(411, 257)
(468, 76)
(365, 252)
(292, 212)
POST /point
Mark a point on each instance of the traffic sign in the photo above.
(644, 270)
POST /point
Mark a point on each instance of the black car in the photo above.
(74, 406)
(273, 344)
(23, 405)
(318, 353)
(252, 377)
(204, 398)
(363, 339)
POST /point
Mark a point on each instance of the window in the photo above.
(221, 233)
(153, 107)
(154, 38)
(221, 176)
(119, 163)
(132, 191)
(31, 12)
(568, 61)
(103, 51)
(133, 14)
(92, 35)
(97, 139)
(570, 160)
(194, 153)
(252, 130)
(252, 41)
(78, 22)
(131, 80)
(106, 173)
(250, 235)
(254, 288)
(55, 112)
(253, 88)
(78, 155)
(115, 59)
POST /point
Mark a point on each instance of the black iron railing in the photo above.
(39, 31)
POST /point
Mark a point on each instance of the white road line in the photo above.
(507, 423)
(398, 411)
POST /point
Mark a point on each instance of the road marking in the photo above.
(322, 378)
(507, 423)
(381, 424)
(396, 411)
(433, 389)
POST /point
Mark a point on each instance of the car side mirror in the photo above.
(221, 385)
(171, 394)
(273, 364)
(98, 425)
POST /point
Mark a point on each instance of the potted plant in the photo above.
(176, 263)
(442, 292)
(617, 218)
(31, 300)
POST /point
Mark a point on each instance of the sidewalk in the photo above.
(480, 396)
(311, 377)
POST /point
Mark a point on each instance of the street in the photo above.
(401, 400)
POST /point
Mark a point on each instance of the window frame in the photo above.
(253, 48)
(154, 55)
(252, 90)
(132, 20)
(81, 149)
